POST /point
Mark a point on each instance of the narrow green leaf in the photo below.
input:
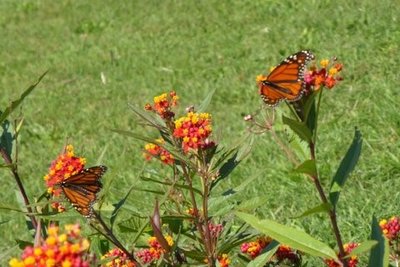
(299, 128)
(183, 186)
(309, 106)
(204, 104)
(346, 167)
(252, 204)
(324, 207)
(307, 167)
(363, 247)
(117, 207)
(379, 256)
(289, 236)
(14, 104)
(310, 116)
(154, 121)
(266, 256)
(10, 208)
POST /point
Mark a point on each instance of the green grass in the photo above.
(147, 47)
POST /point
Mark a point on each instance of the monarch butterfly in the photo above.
(286, 81)
(81, 189)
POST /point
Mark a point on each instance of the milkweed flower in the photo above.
(284, 252)
(153, 150)
(391, 228)
(63, 167)
(155, 250)
(117, 259)
(327, 75)
(254, 248)
(67, 249)
(352, 261)
(223, 260)
(194, 130)
(163, 104)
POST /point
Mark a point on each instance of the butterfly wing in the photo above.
(81, 189)
(286, 81)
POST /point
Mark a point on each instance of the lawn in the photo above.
(103, 55)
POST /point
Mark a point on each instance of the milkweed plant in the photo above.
(194, 222)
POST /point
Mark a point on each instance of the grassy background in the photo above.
(144, 48)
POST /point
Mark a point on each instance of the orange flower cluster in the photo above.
(64, 166)
(194, 130)
(327, 76)
(223, 260)
(68, 249)
(353, 260)
(118, 259)
(153, 150)
(390, 228)
(163, 104)
(284, 252)
(155, 251)
(254, 248)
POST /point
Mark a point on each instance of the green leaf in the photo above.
(6, 138)
(23, 243)
(310, 116)
(379, 256)
(252, 204)
(154, 121)
(266, 256)
(294, 238)
(299, 128)
(346, 167)
(310, 105)
(324, 207)
(183, 186)
(177, 155)
(307, 167)
(363, 247)
(203, 106)
(118, 207)
(14, 104)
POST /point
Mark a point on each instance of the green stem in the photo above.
(14, 170)
(316, 116)
(332, 211)
(110, 236)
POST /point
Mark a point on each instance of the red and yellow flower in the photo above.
(284, 252)
(391, 228)
(327, 75)
(194, 130)
(155, 151)
(63, 167)
(118, 259)
(163, 104)
(155, 250)
(65, 249)
(352, 261)
(224, 260)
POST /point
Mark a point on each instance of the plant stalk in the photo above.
(332, 211)
(110, 236)
(14, 171)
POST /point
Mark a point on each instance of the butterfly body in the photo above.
(286, 81)
(81, 189)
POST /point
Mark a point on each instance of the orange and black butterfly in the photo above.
(286, 81)
(81, 189)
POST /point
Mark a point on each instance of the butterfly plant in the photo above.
(302, 88)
